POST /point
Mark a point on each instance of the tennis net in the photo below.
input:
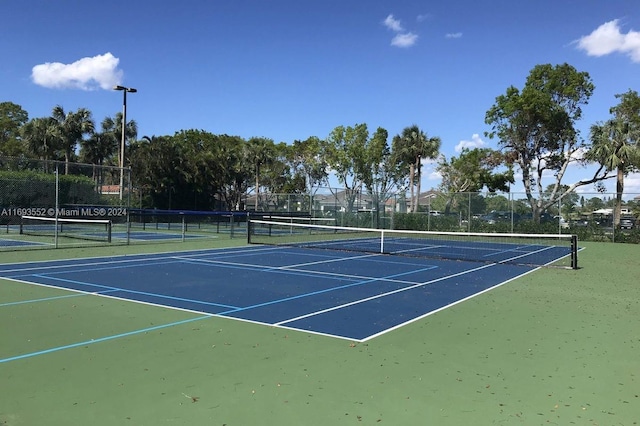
(326, 221)
(84, 229)
(523, 249)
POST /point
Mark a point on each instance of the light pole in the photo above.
(124, 125)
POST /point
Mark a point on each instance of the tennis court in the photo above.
(38, 232)
(535, 351)
(339, 293)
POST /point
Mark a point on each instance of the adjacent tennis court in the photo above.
(49, 232)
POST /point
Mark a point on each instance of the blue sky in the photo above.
(291, 69)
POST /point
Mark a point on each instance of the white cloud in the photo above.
(577, 155)
(429, 161)
(608, 38)
(401, 39)
(632, 185)
(423, 17)
(434, 175)
(100, 71)
(453, 35)
(429, 168)
(475, 142)
(404, 40)
(393, 23)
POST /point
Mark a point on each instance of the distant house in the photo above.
(110, 189)
(339, 202)
(400, 204)
(269, 202)
(609, 212)
(425, 199)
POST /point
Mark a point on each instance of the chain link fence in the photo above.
(44, 203)
(591, 216)
(80, 196)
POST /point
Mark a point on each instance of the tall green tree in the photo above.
(472, 171)
(156, 172)
(376, 172)
(175, 172)
(261, 153)
(594, 203)
(568, 203)
(231, 170)
(284, 178)
(497, 202)
(383, 176)
(616, 143)
(200, 171)
(410, 148)
(73, 127)
(12, 118)
(279, 181)
(535, 128)
(346, 156)
(309, 163)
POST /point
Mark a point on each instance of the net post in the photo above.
(55, 234)
(231, 225)
(109, 232)
(184, 226)
(382, 241)
(574, 252)
(128, 225)
(249, 226)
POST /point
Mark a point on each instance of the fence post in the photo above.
(469, 215)
(57, 207)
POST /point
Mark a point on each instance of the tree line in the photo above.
(535, 129)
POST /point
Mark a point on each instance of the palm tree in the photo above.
(616, 143)
(130, 131)
(100, 145)
(410, 148)
(615, 147)
(73, 126)
(260, 152)
(43, 137)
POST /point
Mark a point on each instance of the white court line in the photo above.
(367, 299)
(285, 269)
(388, 293)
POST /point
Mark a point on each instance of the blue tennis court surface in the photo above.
(133, 236)
(155, 236)
(354, 296)
(8, 242)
